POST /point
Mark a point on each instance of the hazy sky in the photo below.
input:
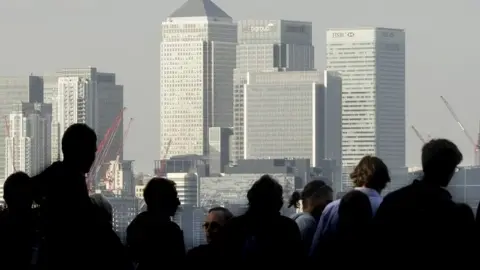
(123, 36)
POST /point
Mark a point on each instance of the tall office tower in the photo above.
(371, 62)
(287, 115)
(75, 104)
(267, 45)
(109, 106)
(28, 142)
(197, 58)
(14, 90)
(100, 102)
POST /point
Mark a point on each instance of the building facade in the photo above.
(219, 153)
(285, 116)
(197, 58)
(267, 45)
(12, 91)
(371, 62)
(84, 95)
(28, 142)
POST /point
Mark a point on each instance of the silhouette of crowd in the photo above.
(51, 222)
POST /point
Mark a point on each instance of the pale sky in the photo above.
(123, 36)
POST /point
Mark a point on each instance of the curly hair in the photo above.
(371, 172)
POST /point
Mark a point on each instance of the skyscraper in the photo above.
(75, 104)
(267, 45)
(84, 95)
(197, 58)
(371, 62)
(28, 142)
(287, 115)
(12, 91)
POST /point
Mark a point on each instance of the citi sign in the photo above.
(265, 28)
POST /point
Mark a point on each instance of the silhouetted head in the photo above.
(371, 172)
(440, 158)
(161, 196)
(79, 145)
(354, 213)
(265, 196)
(217, 217)
(314, 196)
(18, 192)
(104, 207)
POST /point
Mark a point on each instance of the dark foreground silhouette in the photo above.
(417, 225)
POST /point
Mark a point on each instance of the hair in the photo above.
(104, 205)
(227, 215)
(266, 195)
(17, 190)
(371, 172)
(313, 188)
(160, 193)
(76, 137)
(440, 157)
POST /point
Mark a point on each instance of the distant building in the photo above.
(371, 62)
(191, 219)
(230, 189)
(264, 46)
(198, 41)
(293, 115)
(85, 95)
(219, 153)
(120, 179)
(28, 142)
(12, 91)
(125, 208)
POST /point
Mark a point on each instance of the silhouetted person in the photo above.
(315, 196)
(68, 216)
(104, 208)
(466, 217)
(203, 255)
(352, 232)
(354, 219)
(421, 217)
(262, 236)
(113, 254)
(370, 176)
(153, 240)
(17, 225)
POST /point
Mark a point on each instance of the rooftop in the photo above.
(199, 8)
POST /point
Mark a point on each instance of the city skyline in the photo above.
(440, 79)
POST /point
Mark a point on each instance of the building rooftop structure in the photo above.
(199, 8)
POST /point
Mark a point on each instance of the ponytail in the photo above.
(294, 200)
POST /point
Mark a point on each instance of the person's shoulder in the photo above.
(303, 217)
(173, 226)
(331, 207)
(401, 193)
(286, 221)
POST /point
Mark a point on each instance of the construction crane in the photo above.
(470, 138)
(163, 161)
(12, 149)
(418, 134)
(113, 170)
(103, 149)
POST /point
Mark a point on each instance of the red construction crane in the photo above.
(103, 149)
(109, 176)
(470, 138)
(160, 171)
(12, 149)
(418, 134)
